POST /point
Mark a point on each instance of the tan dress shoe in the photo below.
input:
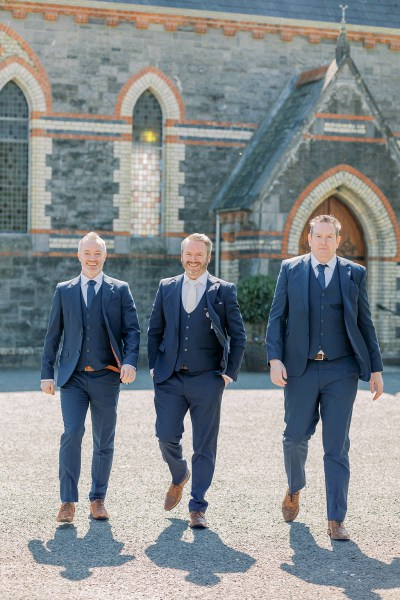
(174, 493)
(66, 512)
(98, 510)
(197, 520)
(337, 531)
(290, 506)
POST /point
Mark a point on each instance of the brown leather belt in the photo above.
(89, 369)
(320, 356)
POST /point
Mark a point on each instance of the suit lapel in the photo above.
(305, 281)
(107, 292)
(74, 289)
(176, 299)
(211, 293)
(344, 270)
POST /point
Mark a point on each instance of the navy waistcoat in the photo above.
(327, 326)
(96, 349)
(199, 349)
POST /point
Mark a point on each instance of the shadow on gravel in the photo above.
(344, 567)
(78, 556)
(202, 556)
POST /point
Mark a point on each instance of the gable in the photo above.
(331, 105)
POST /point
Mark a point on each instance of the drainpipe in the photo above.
(217, 244)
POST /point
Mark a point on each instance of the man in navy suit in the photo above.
(320, 341)
(196, 342)
(95, 317)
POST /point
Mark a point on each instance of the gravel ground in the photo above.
(248, 552)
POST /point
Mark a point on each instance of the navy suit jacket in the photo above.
(223, 311)
(288, 325)
(66, 321)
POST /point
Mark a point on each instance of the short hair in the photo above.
(92, 235)
(198, 237)
(326, 219)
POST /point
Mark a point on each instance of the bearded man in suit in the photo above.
(196, 342)
(93, 318)
(320, 341)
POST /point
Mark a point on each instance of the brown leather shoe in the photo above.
(174, 493)
(337, 531)
(290, 506)
(197, 520)
(66, 512)
(98, 510)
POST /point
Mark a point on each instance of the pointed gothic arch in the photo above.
(380, 229)
(160, 85)
(368, 203)
(35, 86)
(168, 96)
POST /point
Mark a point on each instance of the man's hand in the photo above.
(48, 386)
(278, 372)
(376, 384)
(128, 374)
(227, 379)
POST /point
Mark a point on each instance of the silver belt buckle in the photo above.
(320, 356)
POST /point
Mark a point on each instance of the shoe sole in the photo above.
(176, 504)
(198, 526)
(338, 539)
(290, 520)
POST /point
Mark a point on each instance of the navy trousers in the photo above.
(327, 389)
(100, 391)
(201, 394)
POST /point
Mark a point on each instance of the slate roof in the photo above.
(270, 141)
(374, 13)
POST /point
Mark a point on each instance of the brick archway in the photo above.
(367, 202)
(173, 110)
(352, 243)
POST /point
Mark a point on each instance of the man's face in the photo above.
(194, 258)
(323, 241)
(92, 256)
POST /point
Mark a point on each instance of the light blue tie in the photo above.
(90, 292)
(321, 275)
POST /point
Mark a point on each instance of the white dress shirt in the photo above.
(84, 284)
(200, 287)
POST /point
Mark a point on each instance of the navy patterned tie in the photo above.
(90, 292)
(321, 275)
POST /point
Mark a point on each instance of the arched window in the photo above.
(14, 151)
(147, 142)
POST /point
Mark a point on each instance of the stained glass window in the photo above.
(14, 146)
(147, 141)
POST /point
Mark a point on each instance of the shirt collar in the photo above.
(98, 279)
(202, 279)
(331, 263)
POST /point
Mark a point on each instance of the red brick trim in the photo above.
(228, 124)
(236, 255)
(161, 75)
(323, 177)
(199, 24)
(77, 136)
(175, 139)
(38, 71)
(344, 117)
(75, 232)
